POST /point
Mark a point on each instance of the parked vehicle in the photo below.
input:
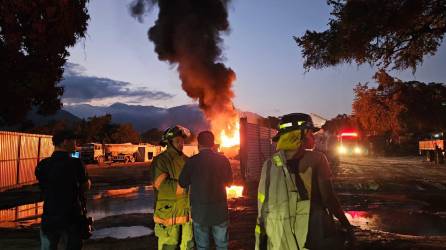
(349, 143)
(125, 152)
(92, 153)
(433, 147)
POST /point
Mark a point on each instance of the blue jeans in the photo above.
(219, 232)
(70, 238)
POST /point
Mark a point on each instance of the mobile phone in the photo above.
(75, 154)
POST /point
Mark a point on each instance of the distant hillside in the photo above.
(141, 117)
(145, 117)
(34, 120)
(40, 120)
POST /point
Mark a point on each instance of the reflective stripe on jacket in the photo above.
(171, 201)
(283, 216)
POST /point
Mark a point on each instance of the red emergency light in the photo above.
(351, 134)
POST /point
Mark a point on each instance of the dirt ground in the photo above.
(398, 195)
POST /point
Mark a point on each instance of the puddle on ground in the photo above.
(127, 201)
(393, 219)
(121, 232)
(21, 216)
(399, 221)
(105, 203)
(114, 192)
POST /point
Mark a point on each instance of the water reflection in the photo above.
(103, 204)
(121, 232)
(128, 201)
(115, 192)
(399, 221)
(24, 215)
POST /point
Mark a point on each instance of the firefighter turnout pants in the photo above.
(170, 237)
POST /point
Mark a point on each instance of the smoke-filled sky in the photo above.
(259, 48)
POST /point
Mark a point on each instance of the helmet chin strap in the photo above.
(169, 143)
(301, 149)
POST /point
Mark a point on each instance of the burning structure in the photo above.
(187, 34)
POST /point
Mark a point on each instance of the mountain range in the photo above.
(144, 117)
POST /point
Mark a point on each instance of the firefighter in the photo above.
(296, 202)
(173, 226)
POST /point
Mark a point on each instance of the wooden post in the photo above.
(38, 150)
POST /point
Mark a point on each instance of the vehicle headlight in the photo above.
(357, 150)
(342, 150)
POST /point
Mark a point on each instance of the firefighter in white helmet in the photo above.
(296, 202)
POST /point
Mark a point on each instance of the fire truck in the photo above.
(433, 147)
(349, 143)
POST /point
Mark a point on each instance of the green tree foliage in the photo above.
(152, 136)
(34, 37)
(370, 110)
(51, 128)
(339, 123)
(424, 104)
(396, 33)
(124, 133)
(100, 129)
(97, 129)
(396, 107)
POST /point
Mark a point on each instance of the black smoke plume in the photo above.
(188, 34)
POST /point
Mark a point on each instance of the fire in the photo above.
(233, 192)
(232, 138)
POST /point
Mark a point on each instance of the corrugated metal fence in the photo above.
(19, 155)
(255, 147)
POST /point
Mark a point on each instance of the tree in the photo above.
(152, 136)
(125, 133)
(425, 110)
(396, 107)
(34, 37)
(340, 122)
(100, 129)
(51, 128)
(396, 33)
(371, 111)
(97, 129)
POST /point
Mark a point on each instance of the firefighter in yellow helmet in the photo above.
(296, 202)
(173, 226)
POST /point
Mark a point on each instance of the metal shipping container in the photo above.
(19, 155)
(256, 147)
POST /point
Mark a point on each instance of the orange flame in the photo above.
(233, 192)
(230, 138)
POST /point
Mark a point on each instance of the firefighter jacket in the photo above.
(171, 201)
(283, 210)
